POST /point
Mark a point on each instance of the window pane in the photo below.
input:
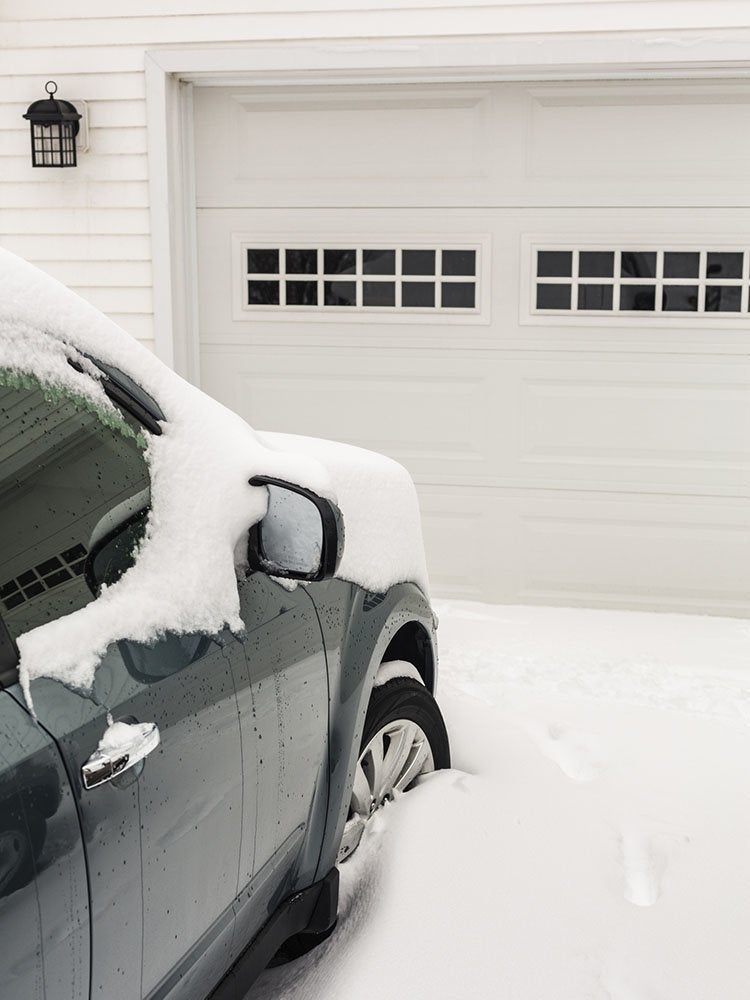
(637, 297)
(636, 264)
(595, 296)
(379, 261)
(458, 294)
(113, 557)
(680, 298)
(301, 293)
(77, 552)
(379, 293)
(459, 262)
(596, 264)
(48, 566)
(340, 293)
(301, 261)
(263, 261)
(724, 265)
(552, 296)
(723, 298)
(554, 263)
(263, 293)
(681, 264)
(339, 261)
(418, 262)
(63, 471)
(418, 293)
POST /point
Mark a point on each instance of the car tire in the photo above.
(404, 737)
(398, 701)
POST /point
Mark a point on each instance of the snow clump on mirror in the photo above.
(201, 503)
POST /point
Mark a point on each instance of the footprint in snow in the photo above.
(579, 755)
(645, 860)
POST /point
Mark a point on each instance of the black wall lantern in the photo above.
(54, 127)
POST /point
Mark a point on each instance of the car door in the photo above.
(161, 839)
(44, 913)
(190, 794)
(283, 700)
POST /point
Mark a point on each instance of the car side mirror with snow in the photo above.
(301, 536)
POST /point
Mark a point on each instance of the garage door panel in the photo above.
(454, 417)
(653, 425)
(632, 554)
(515, 144)
(505, 280)
(573, 549)
(426, 414)
(461, 537)
(370, 145)
(680, 138)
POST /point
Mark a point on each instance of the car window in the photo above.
(64, 470)
(115, 553)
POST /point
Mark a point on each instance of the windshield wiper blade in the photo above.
(123, 391)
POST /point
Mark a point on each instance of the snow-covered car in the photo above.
(217, 660)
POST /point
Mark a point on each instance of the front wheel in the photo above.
(404, 737)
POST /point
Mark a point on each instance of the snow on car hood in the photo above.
(381, 512)
(202, 505)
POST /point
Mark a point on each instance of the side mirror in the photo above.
(301, 536)
(8, 657)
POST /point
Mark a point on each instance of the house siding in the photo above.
(90, 227)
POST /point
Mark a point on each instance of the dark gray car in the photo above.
(178, 863)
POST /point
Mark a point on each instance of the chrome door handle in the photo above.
(122, 746)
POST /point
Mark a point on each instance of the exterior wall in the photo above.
(90, 227)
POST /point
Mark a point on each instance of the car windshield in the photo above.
(64, 469)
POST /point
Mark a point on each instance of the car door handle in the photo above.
(122, 746)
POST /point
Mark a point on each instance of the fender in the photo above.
(357, 628)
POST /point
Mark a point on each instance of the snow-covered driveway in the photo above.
(593, 841)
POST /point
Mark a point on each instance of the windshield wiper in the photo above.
(124, 392)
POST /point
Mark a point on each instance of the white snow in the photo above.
(201, 503)
(381, 511)
(591, 842)
(396, 668)
(121, 736)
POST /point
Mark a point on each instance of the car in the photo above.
(217, 660)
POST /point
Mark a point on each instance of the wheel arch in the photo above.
(412, 642)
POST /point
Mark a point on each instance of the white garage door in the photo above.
(535, 296)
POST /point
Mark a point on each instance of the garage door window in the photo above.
(365, 278)
(627, 281)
